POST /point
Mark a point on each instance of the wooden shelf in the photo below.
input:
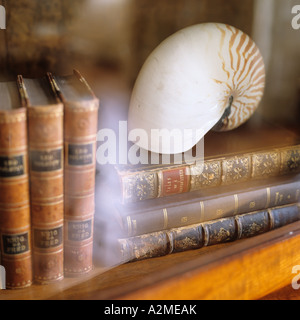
(253, 268)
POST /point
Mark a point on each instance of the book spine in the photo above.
(154, 183)
(201, 210)
(80, 124)
(45, 131)
(14, 200)
(207, 234)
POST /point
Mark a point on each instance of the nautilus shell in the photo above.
(209, 76)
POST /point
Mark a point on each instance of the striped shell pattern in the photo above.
(245, 75)
(209, 76)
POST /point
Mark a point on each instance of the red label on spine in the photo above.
(175, 181)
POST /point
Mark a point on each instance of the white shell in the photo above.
(187, 82)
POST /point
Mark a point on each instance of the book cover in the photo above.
(16, 251)
(45, 133)
(257, 150)
(204, 205)
(206, 234)
(80, 130)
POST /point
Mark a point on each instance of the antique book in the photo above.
(256, 150)
(45, 144)
(80, 130)
(206, 234)
(204, 205)
(15, 230)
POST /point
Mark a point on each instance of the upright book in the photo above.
(80, 130)
(14, 189)
(257, 150)
(45, 132)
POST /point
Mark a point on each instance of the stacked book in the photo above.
(248, 184)
(48, 130)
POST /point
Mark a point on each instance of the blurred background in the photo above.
(109, 40)
(105, 38)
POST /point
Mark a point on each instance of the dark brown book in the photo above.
(80, 130)
(257, 150)
(206, 234)
(14, 189)
(45, 134)
(208, 204)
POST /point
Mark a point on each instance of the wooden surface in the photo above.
(255, 268)
(286, 293)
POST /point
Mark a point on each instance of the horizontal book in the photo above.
(206, 234)
(255, 151)
(204, 205)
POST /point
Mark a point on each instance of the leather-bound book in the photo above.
(204, 205)
(209, 233)
(45, 133)
(255, 151)
(80, 130)
(14, 189)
